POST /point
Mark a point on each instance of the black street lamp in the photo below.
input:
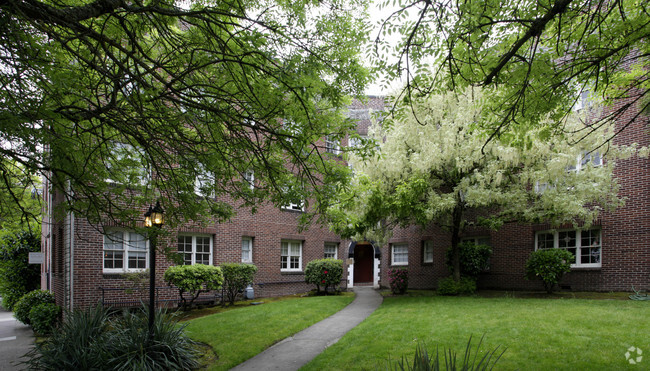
(153, 218)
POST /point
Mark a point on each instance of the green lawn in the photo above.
(540, 334)
(239, 334)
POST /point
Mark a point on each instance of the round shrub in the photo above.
(549, 265)
(44, 317)
(193, 279)
(17, 276)
(29, 301)
(448, 286)
(398, 279)
(473, 259)
(324, 273)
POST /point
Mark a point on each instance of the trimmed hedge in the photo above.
(29, 301)
(324, 273)
(236, 276)
(549, 265)
(44, 317)
(193, 279)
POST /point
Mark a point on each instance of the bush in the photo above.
(398, 279)
(549, 265)
(236, 276)
(473, 259)
(29, 301)
(17, 276)
(324, 272)
(193, 279)
(89, 340)
(448, 286)
(422, 361)
(44, 317)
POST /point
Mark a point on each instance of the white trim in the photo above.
(331, 245)
(405, 252)
(193, 253)
(127, 250)
(578, 245)
(250, 249)
(427, 244)
(290, 253)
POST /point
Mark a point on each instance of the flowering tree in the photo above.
(434, 165)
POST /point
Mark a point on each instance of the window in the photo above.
(249, 177)
(204, 182)
(331, 250)
(291, 256)
(195, 249)
(295, 203)
(124, 251)
(246, 250)
(400, 254)
(125, 165)
(592, 158)
(585, 245)
(332, 145)
(427, 252)
(477, 240)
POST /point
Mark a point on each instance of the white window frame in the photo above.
(193, 253)
(579, 234)
(246, 249)
(204, 179)
(585, 158)
(404, 252)
(332, 145)
(249, 177)
(427, 245)
(290, 249)
(124, 238)
(331, 246)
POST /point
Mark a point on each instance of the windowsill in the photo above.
(292, 210)
(112, 274)
(582, 269)
(400, 265)
(427, 264)
(292, 273)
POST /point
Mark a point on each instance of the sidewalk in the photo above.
(16, 339)
(296, 351)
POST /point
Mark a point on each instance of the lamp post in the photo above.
(153, 218)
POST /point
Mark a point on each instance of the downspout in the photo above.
(71, 270)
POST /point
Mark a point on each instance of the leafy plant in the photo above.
(129, 346)
(44, 317)
(236, 276)
(549, 265)
(449, 286)
(79, 343)
(398, 279)
(423, 361)
(193, 279)
(29, 301)
(324, 272)
(473, 259)
(17, 276)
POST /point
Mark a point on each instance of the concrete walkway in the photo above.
(16, 339)
(296, 351)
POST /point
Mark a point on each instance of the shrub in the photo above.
(79, 343)
(398, 279)
(17, 276)
(422, 361)
(44, 317)
(89, 340)
(324, 272)
(129, 347)
(29, 301)
(193, 279)
(236, 276)
(448, 286)
(549, 265)
(473, 259)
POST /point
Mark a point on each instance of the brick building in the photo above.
(83, 265)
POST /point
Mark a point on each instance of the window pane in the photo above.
(545, 241)
(137, 260)
(330, 251)
(246, 250)
(185, 243)
(203, 244)
(113, 240)
(203, 259)
(428, 252)
(137, 241)
(285, 249)
(284, 262)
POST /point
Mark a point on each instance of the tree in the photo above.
(17, 276)
(430, 169)
(20, 206)
(119, 103)
(536, 57)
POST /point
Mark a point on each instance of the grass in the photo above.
(237, 335)
(539, 334)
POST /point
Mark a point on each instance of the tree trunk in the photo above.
(457, 218)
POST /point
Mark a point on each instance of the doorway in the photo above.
(364, 256)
